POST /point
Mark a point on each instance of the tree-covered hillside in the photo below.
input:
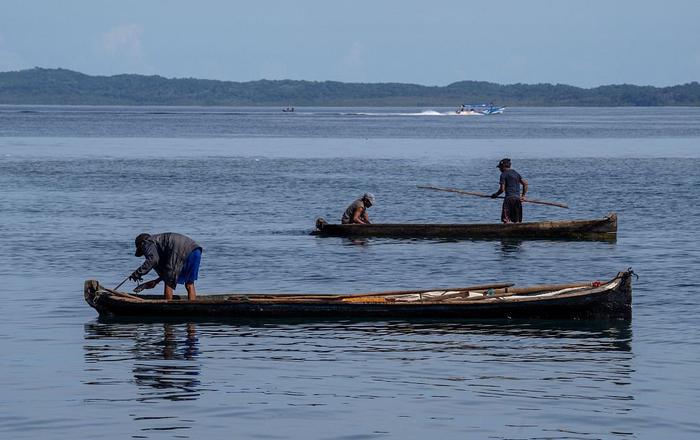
(61, 86)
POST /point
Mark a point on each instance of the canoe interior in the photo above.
(604, 229)
(609, 300)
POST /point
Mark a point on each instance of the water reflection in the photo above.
(510, 245)
(158, 352)
(309, 370)
(171, 380)
(355, 241)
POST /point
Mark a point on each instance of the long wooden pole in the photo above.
(470, 193)
(409, 292)
(120, 284)
(334, 296)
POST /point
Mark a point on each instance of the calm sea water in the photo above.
(78, 183)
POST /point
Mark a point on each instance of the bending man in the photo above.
(174, 257)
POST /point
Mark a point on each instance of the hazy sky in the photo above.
(584, 43)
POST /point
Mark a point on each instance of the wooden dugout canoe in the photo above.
(585, 300)
(604, 229)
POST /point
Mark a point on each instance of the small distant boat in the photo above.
(585, 300)
(479, 109)
(288, 110)
(604, 229)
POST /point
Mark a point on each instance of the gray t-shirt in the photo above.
(511, 179)
(350, 212)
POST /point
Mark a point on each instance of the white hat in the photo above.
(369, 196)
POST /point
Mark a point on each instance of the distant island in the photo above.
(66, 87)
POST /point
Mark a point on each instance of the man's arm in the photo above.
(523, 182)
(365, 217)
(357, 216)
(151, 253)
(501, 189)
(148, 285)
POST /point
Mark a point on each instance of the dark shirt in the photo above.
(511, 179)
(166, 254)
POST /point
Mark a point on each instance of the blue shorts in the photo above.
(190, 271)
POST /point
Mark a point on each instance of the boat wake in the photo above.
(422, 113)
(463, 110)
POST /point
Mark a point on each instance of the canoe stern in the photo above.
(620, 303)
(617, 303)
(91, 292)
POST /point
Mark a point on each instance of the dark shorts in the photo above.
(190, 271)
(512, 211)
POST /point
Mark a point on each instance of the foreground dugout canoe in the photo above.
(604, 229)
(586, 300)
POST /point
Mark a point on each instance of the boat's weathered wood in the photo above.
(478, 194)
(612, 299)
(339, 296)
(408, 292)
(504, 292)
(600, 229)
(546, 288)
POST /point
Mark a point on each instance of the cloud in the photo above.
(122, 47)
(9, 60)
(122, 41)
(352, 63)
(354, 57)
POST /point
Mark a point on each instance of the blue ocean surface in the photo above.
(77, 184)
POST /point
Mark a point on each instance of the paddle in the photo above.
(470, 193)
(125, 280)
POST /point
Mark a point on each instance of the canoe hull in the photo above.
(600, 229)
(612, 300)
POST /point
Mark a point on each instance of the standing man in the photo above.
(512, 211)
(174, 257)
(356, 213)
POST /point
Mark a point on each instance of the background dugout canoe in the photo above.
(586, 300)
(604, 229)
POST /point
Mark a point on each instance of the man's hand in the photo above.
(494, 195)
(135, 277)
(147, 285)
(523, 198)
